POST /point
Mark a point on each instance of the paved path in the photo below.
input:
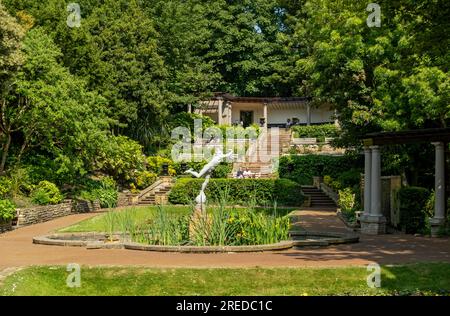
(17, 250)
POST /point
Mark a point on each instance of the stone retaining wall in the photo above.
(4, 227)
(85, 206)
(127, 199)
(40, 214)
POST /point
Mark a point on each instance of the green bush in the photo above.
(5, 186)
(46, 193)
(145, 179)
(346, 200)
(316, 131)
(155, 165)
(121, 159)
(7, 210)
(104, 191)
(413, 204)
(184, 119)
(302, 169)
(241, 191)
(222, 170)
(350, 178)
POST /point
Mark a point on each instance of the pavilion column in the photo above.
(189, 108)
(439, 206)
(375, 222)
(220, 112)
(308, 114)
(367, 179)
(266, 119)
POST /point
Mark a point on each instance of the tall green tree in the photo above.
(11, 58)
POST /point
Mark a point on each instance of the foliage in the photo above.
(185, 119)
(316, 131)
(302, 169)
(145, 179)
(46, 193)
(222, 170)
(104, 191)
(346, 200)
(155, 165)
(241, 191)
(121, 159)
(413, 213)
(5, 186)
(7, 210)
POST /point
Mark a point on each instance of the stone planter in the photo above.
(5, 226)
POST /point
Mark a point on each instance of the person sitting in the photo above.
(248, 174)
(288, 124)
(239, 174)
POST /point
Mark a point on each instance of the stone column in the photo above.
(375, 222)
(220, 111)
(439, 206)
(375, 197)
(266, 119)
(367, 179)
(308, 114)
(189, 108)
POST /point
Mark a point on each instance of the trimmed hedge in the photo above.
(316, 131)
(241, 191)
(302, 169)
(413, 214)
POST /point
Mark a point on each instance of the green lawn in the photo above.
(142, 214)
(426, 279)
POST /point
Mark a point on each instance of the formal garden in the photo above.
(93, 104)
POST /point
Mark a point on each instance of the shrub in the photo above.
(349, 178)
(222, 170)
(145, 179)
(121, 159)
(316, 131)
(7, 210)
(155, 165)
(104, 191)
(346, 200)
(184, 119)
(302, 169)
(413, 214)
(46, 193)
(5, 186)
(20, 181)
(241, 191)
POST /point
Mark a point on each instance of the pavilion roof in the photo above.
(268, 100)
(410, 136)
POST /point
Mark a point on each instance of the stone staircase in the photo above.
(157, 193)
(318, 198)
(261, 163)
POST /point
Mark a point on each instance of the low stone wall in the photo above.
(85, 206)
(127, 199)
(330, 193)
(4, 227)
(40, 214)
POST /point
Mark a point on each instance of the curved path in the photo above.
(17, 250)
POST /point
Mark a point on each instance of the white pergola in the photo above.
(372, 221)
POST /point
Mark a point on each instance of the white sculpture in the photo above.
(206, 171)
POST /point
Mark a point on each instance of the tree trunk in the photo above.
(5, 151)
